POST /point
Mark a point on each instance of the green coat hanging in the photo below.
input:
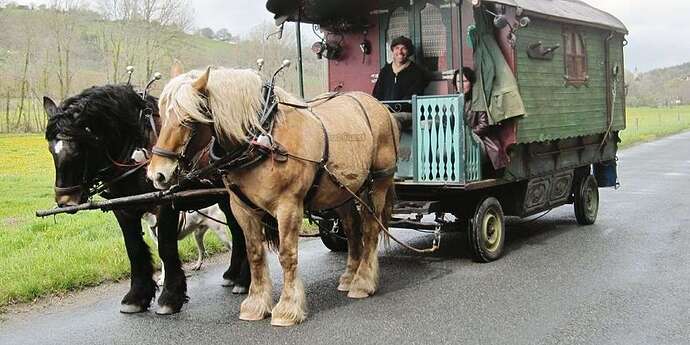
(500, 97)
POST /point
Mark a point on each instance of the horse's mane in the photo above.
(234, 98)
(111, 112)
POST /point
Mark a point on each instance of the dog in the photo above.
(197, 222)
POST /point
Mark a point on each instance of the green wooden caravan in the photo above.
(550, 77)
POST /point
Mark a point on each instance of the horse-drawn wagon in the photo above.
(550, 80)
(553, 82)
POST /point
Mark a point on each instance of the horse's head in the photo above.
(182, 102)
(90, 131)
(69, 142)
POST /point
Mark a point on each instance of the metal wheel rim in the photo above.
(492, 231)
(591, 202)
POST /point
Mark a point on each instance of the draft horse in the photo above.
(319, 156)
(92, 137)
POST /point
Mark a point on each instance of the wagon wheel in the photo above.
(332, 235)
(486, 231)
(586, 200)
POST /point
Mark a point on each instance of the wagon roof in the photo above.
(569, 10)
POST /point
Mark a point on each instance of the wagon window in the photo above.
(434, 38)
(398, 25)
(575, 57)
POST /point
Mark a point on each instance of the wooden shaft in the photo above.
(155, 198)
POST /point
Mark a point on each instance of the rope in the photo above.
(208, 217)
(383, 228)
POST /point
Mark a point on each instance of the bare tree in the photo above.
(64, 30)
(143, 30)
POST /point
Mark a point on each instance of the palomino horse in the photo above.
(341, 144)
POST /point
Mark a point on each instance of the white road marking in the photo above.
(675, 174)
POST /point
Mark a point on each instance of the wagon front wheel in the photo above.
(586, 200)
(486, 231)
(332, 235)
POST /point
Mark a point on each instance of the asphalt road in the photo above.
(625, 280)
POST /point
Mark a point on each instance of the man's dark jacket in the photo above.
(391, 87)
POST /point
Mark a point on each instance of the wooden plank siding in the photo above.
(556, 110)
(617, 58)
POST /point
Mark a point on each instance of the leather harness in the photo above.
(260, 147)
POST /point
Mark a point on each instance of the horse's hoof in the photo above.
(344, 287)
(278, 322)
(167, 310)
(252, 316)
(228, 283)
(131, 309)
(239, 290)
(357, 294)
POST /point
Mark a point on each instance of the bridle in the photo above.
(99, 182)
(187, 161)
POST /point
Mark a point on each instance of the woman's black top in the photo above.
(391, 87)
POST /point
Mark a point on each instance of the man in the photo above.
(402, 78)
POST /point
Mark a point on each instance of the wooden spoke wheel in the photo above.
(586, 200)
(486, 232)
(332, 235)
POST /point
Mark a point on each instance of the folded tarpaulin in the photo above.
(318, 11)
(500, 97)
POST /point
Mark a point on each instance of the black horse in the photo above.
(92, 137)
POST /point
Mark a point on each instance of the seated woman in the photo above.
(478, 121)
(402, 78)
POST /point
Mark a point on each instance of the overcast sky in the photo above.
(658, 29)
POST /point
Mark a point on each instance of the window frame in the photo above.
(575, 63)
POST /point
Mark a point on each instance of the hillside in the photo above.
(660, 87)
(55, 53)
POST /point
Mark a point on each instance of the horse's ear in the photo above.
(176, 69)
(49, 106)
(201, 83)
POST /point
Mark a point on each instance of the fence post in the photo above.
(7, 111)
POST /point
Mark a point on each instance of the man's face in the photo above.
(400, 54)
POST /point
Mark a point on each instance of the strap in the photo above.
(243, 197)
(321, 167)
(364, 111)
(165, 153)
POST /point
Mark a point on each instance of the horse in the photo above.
(319, 156)
(92, 137)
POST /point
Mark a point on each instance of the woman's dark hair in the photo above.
(404, 41)
(469, 75)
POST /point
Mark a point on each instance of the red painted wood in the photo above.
(349, 73)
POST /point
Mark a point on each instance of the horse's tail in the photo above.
(271, 234)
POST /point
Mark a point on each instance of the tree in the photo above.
(224, 35)
(144, 30)
(207, 33)
(64, 30)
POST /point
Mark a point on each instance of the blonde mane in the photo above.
(234, 97)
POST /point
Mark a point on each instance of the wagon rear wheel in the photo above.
(486, 232)
(586, 200)
(332, 235)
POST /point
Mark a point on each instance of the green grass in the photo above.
(646, 124)
(43, 256)
(51, 256)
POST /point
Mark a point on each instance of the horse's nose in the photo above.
(160, 178)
